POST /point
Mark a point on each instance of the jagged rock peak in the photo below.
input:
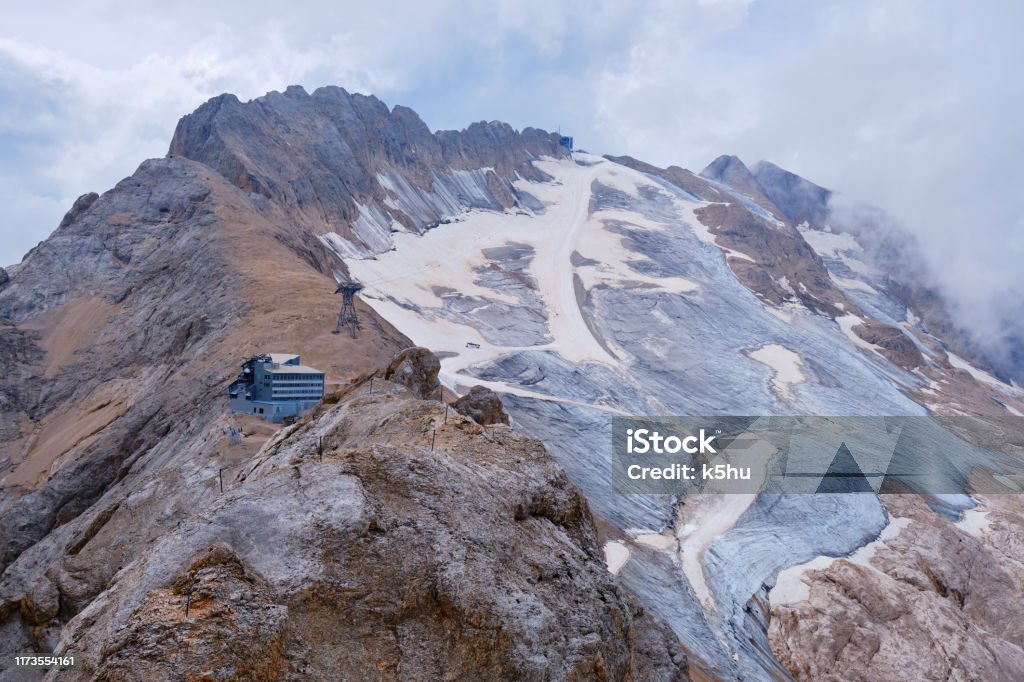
(787, 195)
(725, 167)
(352, 113)
(332, 157)
(731, 171)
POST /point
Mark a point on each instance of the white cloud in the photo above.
(911, 105)
(78, 127)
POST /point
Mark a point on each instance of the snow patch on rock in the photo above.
(790, 587)
(616, 555)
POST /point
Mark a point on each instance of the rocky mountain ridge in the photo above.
(345, 163)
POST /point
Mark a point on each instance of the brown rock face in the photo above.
(416, 369)
(232, 624)
(937, 603)
(895, 345)
(482, 405)
(776, 254)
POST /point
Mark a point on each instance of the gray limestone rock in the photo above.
(80, 206)
(334, 158)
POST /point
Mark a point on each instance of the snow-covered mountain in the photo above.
(577, 287)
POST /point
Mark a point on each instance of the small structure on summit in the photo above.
(275, 386)
(565, 141)
(347, 315)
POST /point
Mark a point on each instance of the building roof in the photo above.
(292, 369)
(281, 358)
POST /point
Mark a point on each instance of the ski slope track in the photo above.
(614, 300)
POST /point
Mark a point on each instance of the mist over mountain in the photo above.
(387, 533)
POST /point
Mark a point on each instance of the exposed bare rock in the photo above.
(777, 257)
(119, 334)
(482, 405)
(232, 629)
(417, 369)
(731, 171)
(80, 206)
(782, 265)
(332, 158)
(150, 288)
(895, 345)
(936, 603)
(383, 558)
(20, 355)
(4, 277)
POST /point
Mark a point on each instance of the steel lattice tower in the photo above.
(347, 315)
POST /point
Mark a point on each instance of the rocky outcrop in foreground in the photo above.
(417, 369)
(482, 405)
(393, 553)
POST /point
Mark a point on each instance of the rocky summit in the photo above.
(446, 512)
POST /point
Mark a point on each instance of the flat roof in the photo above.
(281, 357)
(292, 369)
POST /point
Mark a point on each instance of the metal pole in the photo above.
(432, 438)
(188, 601)
(220, 477)
(371, 385)
(446, 413)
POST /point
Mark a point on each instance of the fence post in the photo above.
(446, 413)
(371, 385)
(188, 602)
(432, 440)
(220, 477)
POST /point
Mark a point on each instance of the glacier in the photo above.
(610, 298)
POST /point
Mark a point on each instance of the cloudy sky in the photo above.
(914, 105)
